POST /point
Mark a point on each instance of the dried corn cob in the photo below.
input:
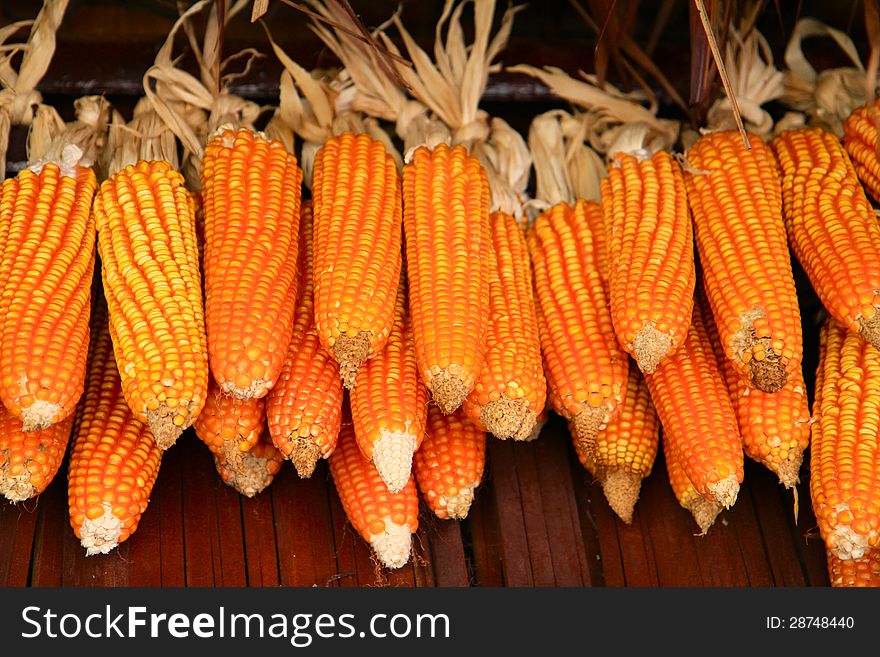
(845, 452)
(586, 368)
(862, 572)
(445, 218)
(651, 255)
(254, 471)
(251, 193)
(29, 460)
(511, 389)
(703, 510)
(697, 416)
(304, 407)
(152, 282)
(48, 263)
(831, 227)
(385, 520)
(775, 427)
(114, 460)
(626, 449)
(389, 403)
(736, 200)
(358, 230)
(230, 427)
(860, 139)
(449, 464)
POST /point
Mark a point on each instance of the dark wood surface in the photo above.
(538, 520)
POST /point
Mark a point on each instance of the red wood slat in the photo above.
(515, 548)
(668, 530)
(743, 528)
(211, 520)
(48, 558)
(303, 527)
(532, 503)
(560, 508)
(156, 549)
(808, 542)
(602, 549)
(449, 565)
(18, 524)
(481, 536)
(259, 540)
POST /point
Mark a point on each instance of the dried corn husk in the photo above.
(829, 96)
(19, 99)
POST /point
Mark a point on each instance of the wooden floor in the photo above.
(538, 520)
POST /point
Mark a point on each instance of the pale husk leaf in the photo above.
(18, 94)
(829, 96)
(507, 161)
(80, 143)
(608, 109)
(755, 81)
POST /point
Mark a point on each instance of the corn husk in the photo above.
(20, 102)
(827, 97)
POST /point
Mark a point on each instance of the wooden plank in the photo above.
(211, 520)
(768, 545)
(481, 538)
(18, 524)
(531, 499)
(449, 563)
(146, 562)
(603, 560)
(260, 543)
(48, 558)
(423, 559)
(303, 527)
(168, 492)
(668, 531)
(515, 549)
(567, 550)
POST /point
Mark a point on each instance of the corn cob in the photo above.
(775, 427)
(697, 416)
(585, 366)
(861, 141)
(230, 427)
(149, 260)
(831, 227)
(445, 219)
(254, 471)
(29, 460)
(358, 231)
(736, 200)
(251, 193)
(862, 572)
(845, 452)
(47, 266)
(626, 449)
(389, 403)
(651, 255)
(304, 408)
(511, 389)
(449, 464)
(385, 520)
(703, 510)
(114, 460)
